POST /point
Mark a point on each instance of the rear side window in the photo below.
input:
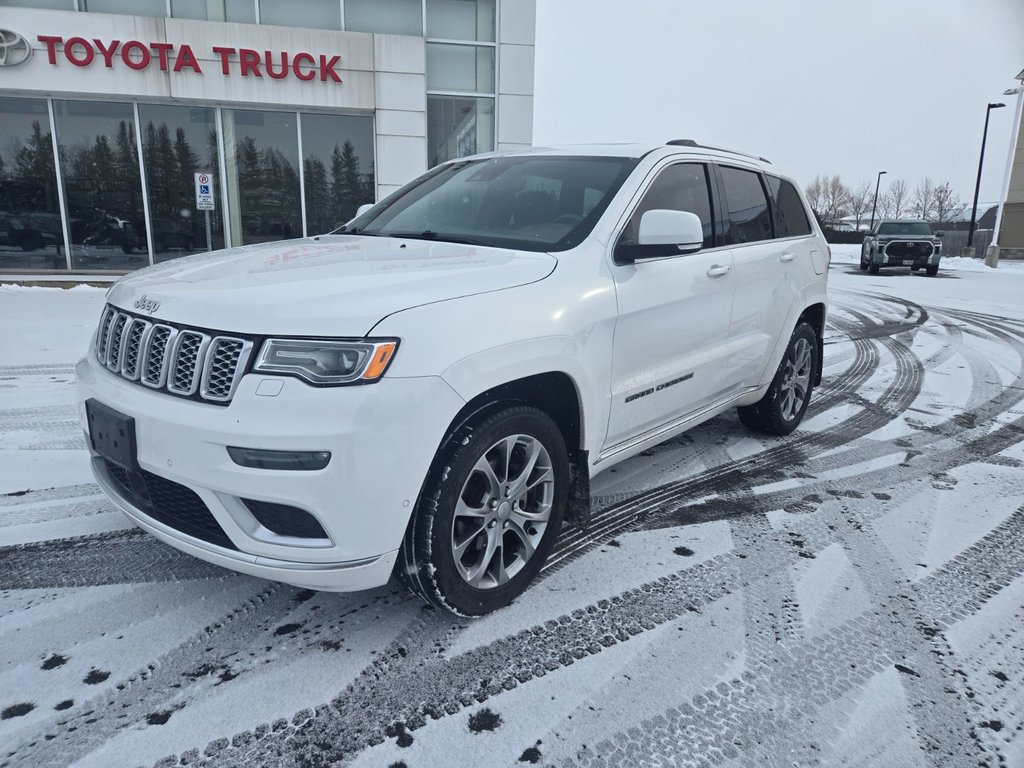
(790, 215)
(746, 204)
(681, 187)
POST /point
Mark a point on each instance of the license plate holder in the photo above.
(112, 434)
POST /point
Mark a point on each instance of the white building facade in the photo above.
(123, 122)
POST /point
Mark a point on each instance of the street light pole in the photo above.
(977, 184)
(874, 205)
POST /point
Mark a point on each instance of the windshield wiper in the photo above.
(357, 231)
(432, 235)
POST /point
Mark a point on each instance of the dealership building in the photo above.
(1011, 223)
(136, 131)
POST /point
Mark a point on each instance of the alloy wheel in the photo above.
(502, 511)
(796, 379)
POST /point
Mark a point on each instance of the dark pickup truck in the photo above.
(901, 243)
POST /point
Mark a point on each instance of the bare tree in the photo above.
(815, 194)
(894, 203)
(859, 202)
(947, 203)
(832, 198)
(924, 199)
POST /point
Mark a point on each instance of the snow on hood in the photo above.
(333, 285)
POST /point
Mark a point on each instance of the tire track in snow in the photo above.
(120, 557)
(435, 687)
(898, 395)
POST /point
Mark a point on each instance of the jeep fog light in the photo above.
(256, 458)
(327, 362)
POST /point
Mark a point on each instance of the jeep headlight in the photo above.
(327, 362)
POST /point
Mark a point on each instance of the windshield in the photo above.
(904, 228)
(532, 203)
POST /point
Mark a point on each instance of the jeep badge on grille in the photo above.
(147, 304)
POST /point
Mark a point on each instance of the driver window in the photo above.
(682, 187)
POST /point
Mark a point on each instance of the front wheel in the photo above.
(490, 512)
(932, 270)
(782, 408)
(863, 260)
(873, 269)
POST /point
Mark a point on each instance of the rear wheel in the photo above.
(873, 269)
(489, 514)
(782, 408)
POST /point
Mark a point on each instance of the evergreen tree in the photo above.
(161, 171)
(347, 186)
(33, 166)
(105, 177)
(318, 196)
(126, 194)
(187, 160)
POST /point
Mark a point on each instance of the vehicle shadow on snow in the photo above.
(853, 269)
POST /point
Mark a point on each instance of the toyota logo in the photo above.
(14, 49)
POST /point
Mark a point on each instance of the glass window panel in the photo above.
(681, 187)
(393, 17)
(31, 236)
(458, 126)
(262, 156)
(215, 10)
(177, 143)
(54, 5)
(314, 14)
(747, 207)
(460, 68)
(461, 19)
(102, 183)
(337, 168)
(155, 8)
(790, 216)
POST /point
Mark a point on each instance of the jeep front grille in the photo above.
(182, 361)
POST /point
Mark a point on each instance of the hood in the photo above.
(332, 285)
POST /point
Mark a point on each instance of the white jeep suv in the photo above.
(430, 389)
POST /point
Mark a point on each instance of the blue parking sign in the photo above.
(204, 189)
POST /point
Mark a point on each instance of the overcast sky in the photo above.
(817, 86)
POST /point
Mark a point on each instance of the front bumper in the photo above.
(907, 254)
(382, 438)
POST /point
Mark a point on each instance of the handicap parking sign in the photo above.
(204, 191)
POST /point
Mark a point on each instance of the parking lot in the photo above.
(849, 595)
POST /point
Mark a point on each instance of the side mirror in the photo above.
(940, 233)
(362, 209)
(663, 233)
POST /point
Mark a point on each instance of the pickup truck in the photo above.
(901, 243)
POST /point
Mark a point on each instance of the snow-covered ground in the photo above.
(851, 595)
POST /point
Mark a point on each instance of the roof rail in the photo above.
(692, 143)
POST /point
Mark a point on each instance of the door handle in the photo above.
(718, 270)
(787, 257)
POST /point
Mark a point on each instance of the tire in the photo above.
(863, 261)
(932, 270)
(776, 413)
(873, 269)
(464, 507)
